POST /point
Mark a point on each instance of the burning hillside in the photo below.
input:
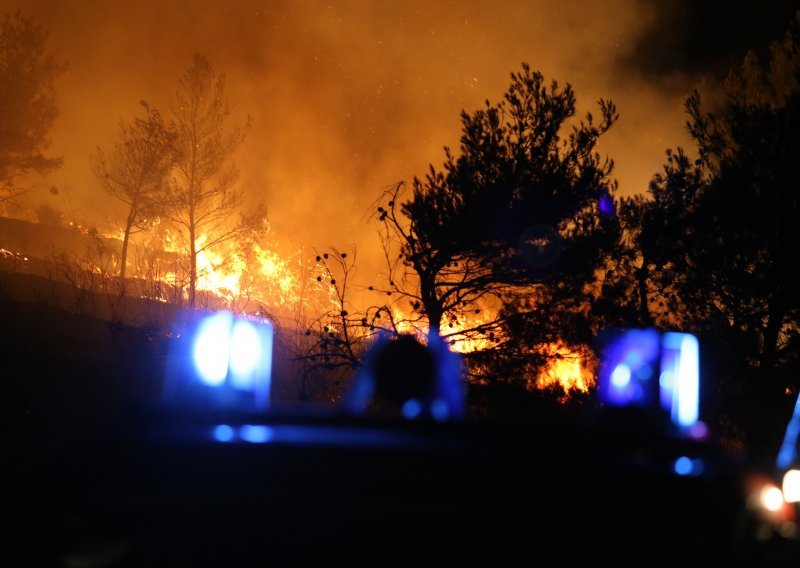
(251, 277)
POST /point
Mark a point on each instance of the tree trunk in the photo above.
(433, 307)
(123, 261)
(192, 266)
(644, 308)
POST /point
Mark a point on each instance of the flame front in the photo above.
(243, 276)
(217, 274)
(256, 277)
(566, 367)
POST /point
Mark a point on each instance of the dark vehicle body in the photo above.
(215, 482)
(290, 490)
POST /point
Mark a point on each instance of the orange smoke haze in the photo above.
(346, 97)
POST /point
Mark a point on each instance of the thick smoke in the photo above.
(349, 97)
(705, 38)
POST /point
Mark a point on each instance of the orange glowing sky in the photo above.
(348, 97)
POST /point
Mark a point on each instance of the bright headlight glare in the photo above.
(771, 498)
(791, 486)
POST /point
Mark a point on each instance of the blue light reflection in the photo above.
(686, 466)
(606, 205)
(223, 433)
(412, 408)
(683, 466)
(256, 433)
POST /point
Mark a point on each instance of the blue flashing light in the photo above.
(788, 450)
(628, 372)
(235, 352)
(449, 381)
(679, 383)
(621, 376)
(698, 466)
(256, 433)
(224, 361)
(223, 433)
(699, 430)
(246, 352)
(446, 399)
(685, 466)
(440, 410)
(606, 205)
(211, 352)
(412, 408)
(251, 359)
(647, 368)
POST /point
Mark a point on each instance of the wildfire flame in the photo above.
(5, 254)
(240, 278)
(567, 368)
(289, 284)
(284, 284)
(456, 332)
(218, 274)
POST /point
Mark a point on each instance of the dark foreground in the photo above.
(292, 490)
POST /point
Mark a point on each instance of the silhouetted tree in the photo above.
(340, 336)
(335, 340)
(136, 173)
(488, 238)
(718, 243)
(205, 193)
(28, 105)
(645, 280)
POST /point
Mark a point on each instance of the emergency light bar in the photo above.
(648, 368)
(221, 360)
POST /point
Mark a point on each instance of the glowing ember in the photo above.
(5, 254)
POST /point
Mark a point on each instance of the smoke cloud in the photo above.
(348, 97)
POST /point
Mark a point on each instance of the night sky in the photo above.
(350, 97)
